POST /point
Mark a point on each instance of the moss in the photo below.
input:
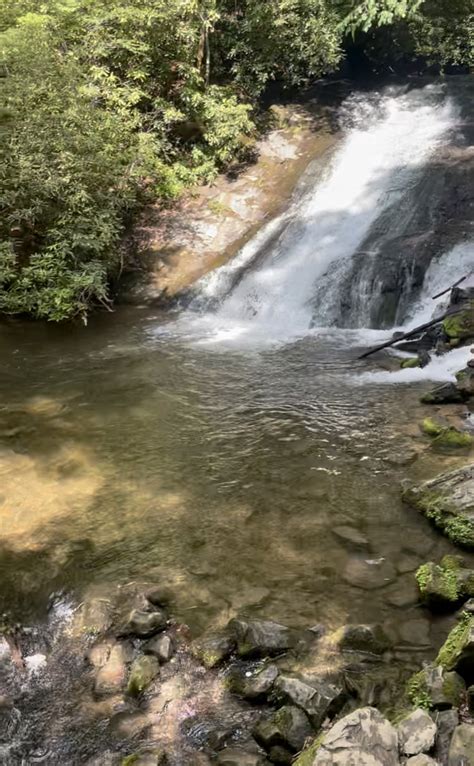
(439, 510)
(130, 759)
(218, 208)
(438, 583)
(417, 691)
(430, 427)
(413, 361)
(452, 438)
(453, 688)
(144, 669)
(453, 646)
(306, 757)
(460, 326)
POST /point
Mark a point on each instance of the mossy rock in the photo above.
(439, 586)
(460, 326)
(448, 501)
(143, 671)
(431, 427)
(413, 361)
(435, 688)
(452, 439)
(457, 652)
(307, 756)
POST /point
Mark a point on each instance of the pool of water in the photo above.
(127, 453)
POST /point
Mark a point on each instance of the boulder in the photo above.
(447, 393)
(213, 648)
(161, 647)
(143, 671)
(448, 501)
(252, 684)
(446, 721)
(260, 638)
(421, 760)
(363, 737)
(280, 756)
(288, 728)
(460, 326)
(370, 639)
(319, 698)
(461, 750)
(234, 756)
(439, 584)
(416, 733)
(144, 624)
(436, 687)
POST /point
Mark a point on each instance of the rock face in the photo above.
(448, 501)
(416, 733)
(364, 738)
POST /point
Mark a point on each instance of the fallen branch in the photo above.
(452, 286)
(411, 333)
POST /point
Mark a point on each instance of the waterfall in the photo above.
(353, 247)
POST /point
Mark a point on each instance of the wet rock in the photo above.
(96, 616)
(161, 647)
(369, 574)
(234, 756)
(446, 721)
(351, 536)
(362, 638)
(144, 624)
(363, 737)
(143, 671)
(448, 501)
(470, 699)
(129, 725)
(439, 584)
(155, 757)
(289, 728)
(416, 733)
(317, 697)
(421, 760)
(407, 562)
(452, 440)
(110, 678)
(6, 657)
(106, 759)
(461, 750)
(447, 393)
(260, 638)
(201, 759)
(280, 756)
(252, 684)
(212, 649)
(250, 597)
(403, 593)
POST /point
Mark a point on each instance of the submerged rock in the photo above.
(155, 757)
(144, 624)
(143, 671)
(364, 738)
(362, 638)
(288, 728)
(447, 393)
(234, 756)
(260, 638)
(416, 733)
(369, 574)
(448, 501)
(351, 536)
(161, 647)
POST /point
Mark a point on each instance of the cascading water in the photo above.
(352, 250)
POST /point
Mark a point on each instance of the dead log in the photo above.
(411, 333)
(448, 289)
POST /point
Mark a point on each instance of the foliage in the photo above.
(109, 103)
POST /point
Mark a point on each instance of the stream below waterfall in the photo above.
(226, 450)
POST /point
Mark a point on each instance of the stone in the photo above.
(461, 750)
(289, 728)
(438, 585)
(351, 536)
(416, 733)
(154, 757)
(415, 632)
(421, 760)
(457, 652)
(253, 684)
(460, 326)
(448, 501)
(362, 638)
(452, 439)
(446, 721)
(213, 648)
(280, 756)
(369, 574)
(234, 756)
(160, 596)
(447, 393)
(441, 688)
(144, 624)
(407, 562)
(110, 678)
(143, 671)
(161, 647)
(362, 738)
(96, 616)
(402, 593)
(318, 697)
(260, 638)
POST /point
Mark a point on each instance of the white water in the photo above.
(388, 140)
